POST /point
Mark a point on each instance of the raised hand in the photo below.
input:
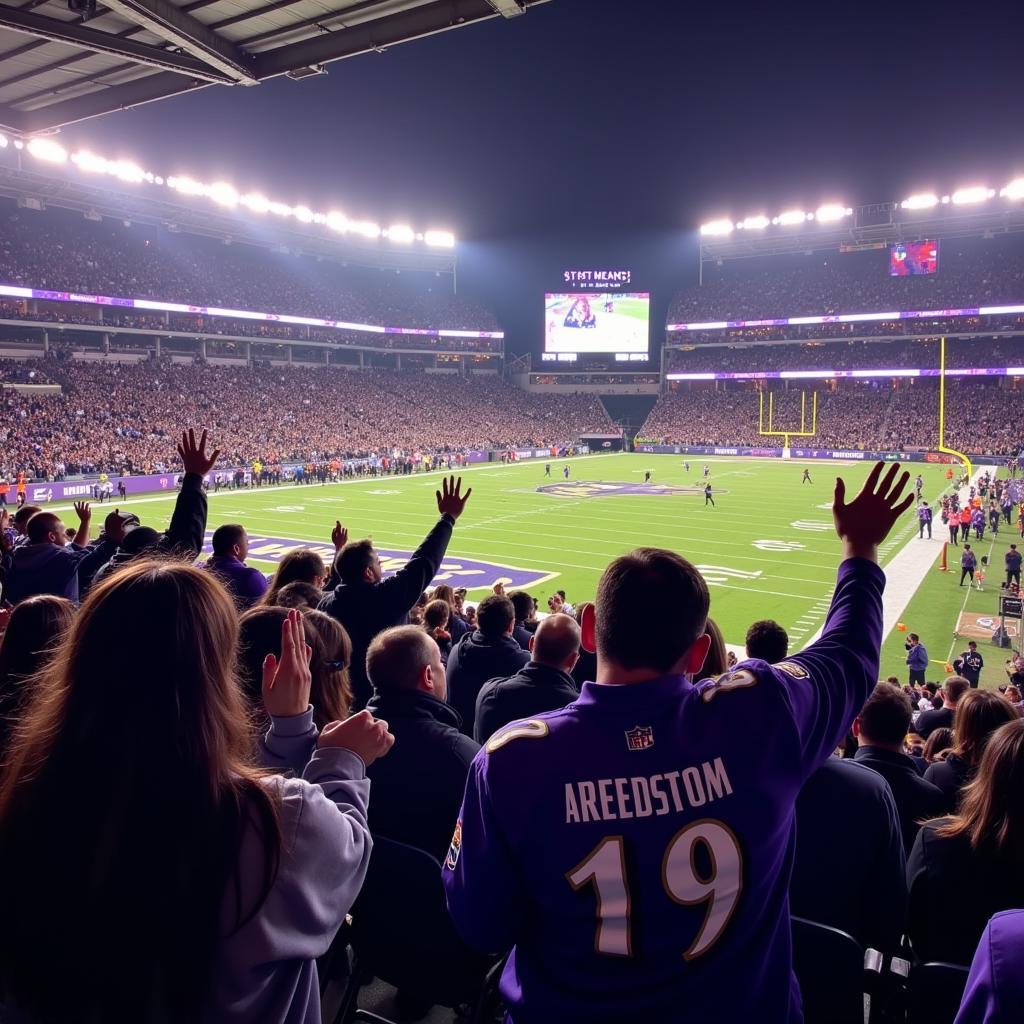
(83, 511)
(361, 733)
(339, 535)
(866, 521)
(193, 456)
(286, 681)
(449, 500)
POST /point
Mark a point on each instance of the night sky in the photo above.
(596, 132)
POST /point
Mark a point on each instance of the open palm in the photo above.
(866, 521)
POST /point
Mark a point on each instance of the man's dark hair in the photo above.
(767, 640)
(955, 687)
(226, 537)
(886, 716)
(40, 525)
(353, 560)
(913, 636)
(652, 604)
(522, 602)
(24, 514)
(298, 594)
(561, 594)
(972, 643)
(494, 614)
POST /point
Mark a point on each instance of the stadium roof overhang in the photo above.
(59, 66)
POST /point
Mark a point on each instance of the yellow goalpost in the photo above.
(942, 412)
(770, 431)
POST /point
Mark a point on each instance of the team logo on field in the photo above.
(456, 847)
(791, 668)
(640, 737)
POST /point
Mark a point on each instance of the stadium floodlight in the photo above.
(337, 221)
(280, 209)
(439, 239)
(186, 185)
(717, 227)
(828, 212)
(223, 194)
(790, 217)
(48, 150)
(754, 223)
(1015, 190)
(3, 141)
(125, 170)
(367, 229)
(303, 214)
(400, 233)
(89, 162)
(921, 201)
(255, 202)
(973, 194)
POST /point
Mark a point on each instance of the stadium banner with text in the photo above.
(974, 371)
(798, 453)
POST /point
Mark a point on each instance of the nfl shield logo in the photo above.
(640, 737)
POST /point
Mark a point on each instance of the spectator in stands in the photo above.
(544, 684)
(416, 790)
(366, 604)
(938, 743)
(34, 630)
(953, 690)
(230, 550)
(965, 868)
(881, 728)
(576, 777)
(48, 564)
(457, 625)
(186, 861)
(995, 985)
(298, 595)
(978, 714)
(303, 565)
(522, 602)
(716, 661)
(435, 623)
(115, 526)
(329, 663)
(187, 529)
(487, 652)
(868, 860)
(585, 669)
(768, 641)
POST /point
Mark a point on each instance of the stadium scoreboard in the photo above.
(597, 311)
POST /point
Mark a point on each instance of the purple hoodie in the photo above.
(245, 584)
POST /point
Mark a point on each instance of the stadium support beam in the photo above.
(82, 37)
(180, 28)
(508, 8)
(118, 97)
(402, 26)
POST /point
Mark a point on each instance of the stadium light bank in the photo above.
(829, 213)
(222, 193)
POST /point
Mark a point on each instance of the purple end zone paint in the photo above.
(611, 488)
(468, 572)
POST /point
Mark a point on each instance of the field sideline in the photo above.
(767, 549)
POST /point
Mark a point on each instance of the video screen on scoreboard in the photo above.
(597, 322)
(908, 259)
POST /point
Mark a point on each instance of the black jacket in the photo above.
(366, 609)
(853, 879)
(184, 535)
(473, 661)
(416, 791)
(915, 798)
(522, 636)
(950, 775)
(928, 721)
(954, 890)
(533, 690)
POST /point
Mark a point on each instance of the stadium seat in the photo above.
(837, 975)
(402, 934)
(934, 991)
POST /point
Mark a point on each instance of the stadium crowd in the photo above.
(271, 758)
(982, 418)
(60, 251)
(971, 273)
(113, 417)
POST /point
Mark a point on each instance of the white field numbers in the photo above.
(605, 869)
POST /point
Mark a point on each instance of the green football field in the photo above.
(767, 549)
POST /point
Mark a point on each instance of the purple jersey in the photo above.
(635, 847)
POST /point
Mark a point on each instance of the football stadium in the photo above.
(471, 553)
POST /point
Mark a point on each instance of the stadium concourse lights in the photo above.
(224, 194)
(825, 214)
